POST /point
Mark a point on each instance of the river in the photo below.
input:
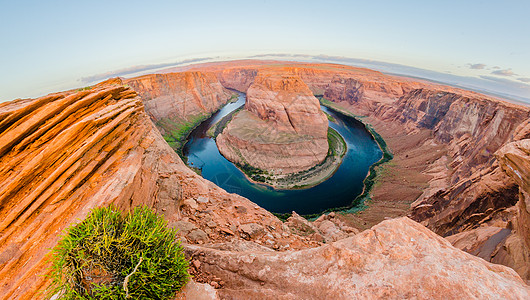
(338, 191)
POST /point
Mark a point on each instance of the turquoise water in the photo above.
(338, 191)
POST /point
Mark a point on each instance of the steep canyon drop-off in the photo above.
(65, 153)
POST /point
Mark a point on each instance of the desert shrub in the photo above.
(111, 256)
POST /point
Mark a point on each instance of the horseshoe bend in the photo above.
(443, 209)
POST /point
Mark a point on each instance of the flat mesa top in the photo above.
(247, 126)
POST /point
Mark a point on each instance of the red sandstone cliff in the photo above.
(471, 125)
(173, 99)
(282, 128)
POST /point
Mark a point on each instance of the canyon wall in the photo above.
(476, 192)
(468, 188)
(507, 242)
(177, 102)
(179, 95)
(282, 129)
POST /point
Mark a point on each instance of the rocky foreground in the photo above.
(281, 130)
(65, 153)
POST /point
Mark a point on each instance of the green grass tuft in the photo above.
(109, 256)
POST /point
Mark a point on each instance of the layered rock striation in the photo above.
(179, 95)
(65, 153)
(281, 130)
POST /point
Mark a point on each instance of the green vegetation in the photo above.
(233, 98)
(86, 88)
(110, 256)
(218, 127)
(176, 131)
(334, 139)
(282, 216)
(330, 118)
(333, 106)
(254, 173)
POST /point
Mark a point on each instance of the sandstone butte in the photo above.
(65, 153)
(281, 130)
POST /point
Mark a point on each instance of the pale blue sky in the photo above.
(48, 46)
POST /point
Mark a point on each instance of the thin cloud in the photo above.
(507, 81)
(476, 66)
(527, 80)
(136, 69)
(505, 72)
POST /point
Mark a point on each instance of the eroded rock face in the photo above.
(281, 130)
(397, 259)
(238, 79)
(514, 159)
(179, 97)
(327, 228)
(286, 101)
(468, 203)
(491, 197)
(473, 127)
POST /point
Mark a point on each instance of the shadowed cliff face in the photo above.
(473, 127)
(514, 159)
(281, 130)
(478, 192)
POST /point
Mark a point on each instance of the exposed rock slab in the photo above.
(394, 260)
(63, 154)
